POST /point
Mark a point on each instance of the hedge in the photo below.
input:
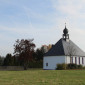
(64, 66)
(35, 64)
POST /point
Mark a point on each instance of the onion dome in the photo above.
(65, 31)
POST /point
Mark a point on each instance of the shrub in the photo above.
(80, 66)
(69, 66)
(83, 67)
(61, 66)
(35, 64)
(72, 66)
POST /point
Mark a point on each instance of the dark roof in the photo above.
(63, 47)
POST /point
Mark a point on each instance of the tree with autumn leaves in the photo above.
(24, 49)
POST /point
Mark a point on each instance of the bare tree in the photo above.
(71, 52)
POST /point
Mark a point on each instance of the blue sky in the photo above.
(43, 20)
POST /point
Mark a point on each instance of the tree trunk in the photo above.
(25, 66)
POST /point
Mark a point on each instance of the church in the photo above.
(64, 51)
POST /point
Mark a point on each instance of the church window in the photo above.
(82, 60)
(46, 64)
(79, 60)
(75, 60)
(71, 59)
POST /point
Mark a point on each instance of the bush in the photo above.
(61, 66)
(80, 67)
(69, 66)
(83, 67)
(72, 66)
(35, 64)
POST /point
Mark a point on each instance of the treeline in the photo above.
(24, 55)
(10, 60)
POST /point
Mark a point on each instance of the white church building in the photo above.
(64, 51)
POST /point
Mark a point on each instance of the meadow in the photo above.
(43, 77)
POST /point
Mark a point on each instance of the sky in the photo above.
(41, 20)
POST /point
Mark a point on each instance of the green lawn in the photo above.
(43, 77)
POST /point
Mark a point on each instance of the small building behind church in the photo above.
(64, 51)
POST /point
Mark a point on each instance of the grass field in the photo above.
(43, 77)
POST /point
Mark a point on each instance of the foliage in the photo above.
(24, 55)
(80, 67)
(68, 66)
(8, 61)
(61, 66)
(1, 60)
(35, 64)
(38, 55)
(24, 48)
(72, 66)
(15, 61)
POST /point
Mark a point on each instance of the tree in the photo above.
(1, 60)
(71, 52)
(8, 60)
(38, 55)
(24, 48)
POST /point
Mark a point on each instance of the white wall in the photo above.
(77, 57)
(52, 61)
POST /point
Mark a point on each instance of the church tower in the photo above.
(65, 34)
